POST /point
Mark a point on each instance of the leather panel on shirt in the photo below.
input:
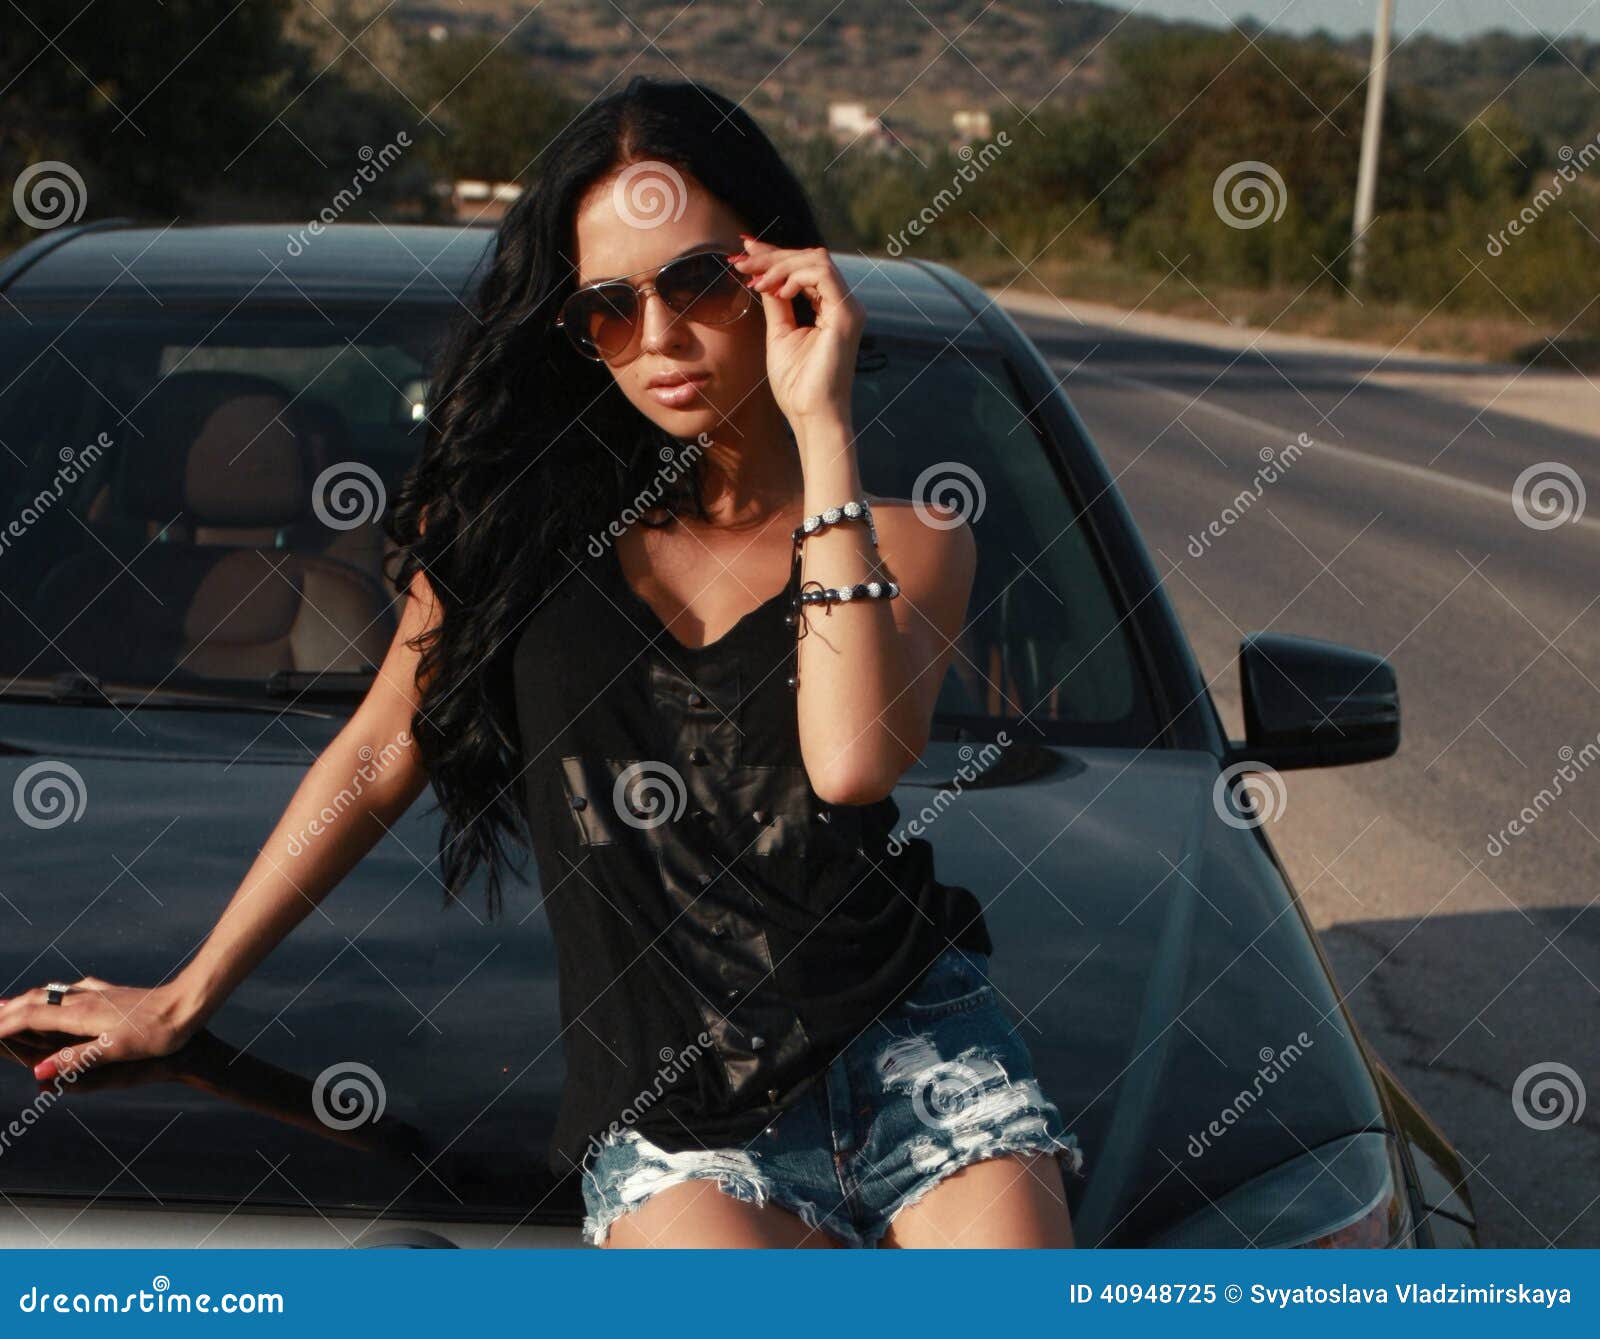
(732, 812)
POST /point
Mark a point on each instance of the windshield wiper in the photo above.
(76, 688)
(321, 683)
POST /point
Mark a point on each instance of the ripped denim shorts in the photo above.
(938, 1081)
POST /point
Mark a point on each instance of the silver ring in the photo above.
(54, 991)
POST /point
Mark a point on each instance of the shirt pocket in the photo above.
(620, 800)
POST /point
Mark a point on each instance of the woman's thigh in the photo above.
(699, 1214)
(1013, 1201)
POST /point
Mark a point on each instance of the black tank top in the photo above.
(721, 933)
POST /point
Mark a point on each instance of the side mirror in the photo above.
(1311, 703)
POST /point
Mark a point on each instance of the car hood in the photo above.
(400, 1057)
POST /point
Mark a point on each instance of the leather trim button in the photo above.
(760, 816)
(697, 699)
(756, 1043)
(579, 801)
(698, 755)
(704, 876)
(772, 1094)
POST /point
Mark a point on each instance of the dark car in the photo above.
(200, 428)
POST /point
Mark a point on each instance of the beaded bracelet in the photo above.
(856, 510)
(862, 590)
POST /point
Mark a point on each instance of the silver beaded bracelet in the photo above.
(856, 510)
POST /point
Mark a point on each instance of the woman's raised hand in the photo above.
(810, 368)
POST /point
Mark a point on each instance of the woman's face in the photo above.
(628, 224)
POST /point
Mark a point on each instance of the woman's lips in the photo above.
(681, 395)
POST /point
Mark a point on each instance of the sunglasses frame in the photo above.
(640, 293)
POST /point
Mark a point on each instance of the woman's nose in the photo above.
(659, 323)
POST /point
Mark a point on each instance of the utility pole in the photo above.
(1371, 135)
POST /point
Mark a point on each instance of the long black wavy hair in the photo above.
(512, 479)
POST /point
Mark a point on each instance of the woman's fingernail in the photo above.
(45, 1069)
(739, 255)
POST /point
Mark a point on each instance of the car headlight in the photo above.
(1350, 1192)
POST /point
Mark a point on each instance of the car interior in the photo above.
(225, 525)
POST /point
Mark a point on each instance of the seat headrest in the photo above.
(222, 448)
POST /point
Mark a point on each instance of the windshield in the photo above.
(195, 497)
(192, 498)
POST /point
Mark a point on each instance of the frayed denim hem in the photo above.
(1068, 1156)
(974, 1111)
(734, 1174)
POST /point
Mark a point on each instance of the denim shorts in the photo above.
(940, 1080)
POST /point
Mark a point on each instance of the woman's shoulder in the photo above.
(920, 523)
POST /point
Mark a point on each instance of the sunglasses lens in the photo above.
(599, 321)
(705, 288)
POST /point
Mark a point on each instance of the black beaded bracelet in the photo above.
(862, 590)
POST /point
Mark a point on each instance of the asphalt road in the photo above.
(1395, 531)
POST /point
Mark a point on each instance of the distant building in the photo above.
(479, 201)
(971, 125)
(850, 122)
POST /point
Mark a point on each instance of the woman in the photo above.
(777, 1023)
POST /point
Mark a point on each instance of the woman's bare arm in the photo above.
(367, 776)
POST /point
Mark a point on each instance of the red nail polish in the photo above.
(45, 1069)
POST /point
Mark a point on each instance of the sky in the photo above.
(1444, 18)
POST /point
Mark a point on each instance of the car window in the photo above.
(1046, 639)
(196, 495)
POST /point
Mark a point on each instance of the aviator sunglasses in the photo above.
(601, 320)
